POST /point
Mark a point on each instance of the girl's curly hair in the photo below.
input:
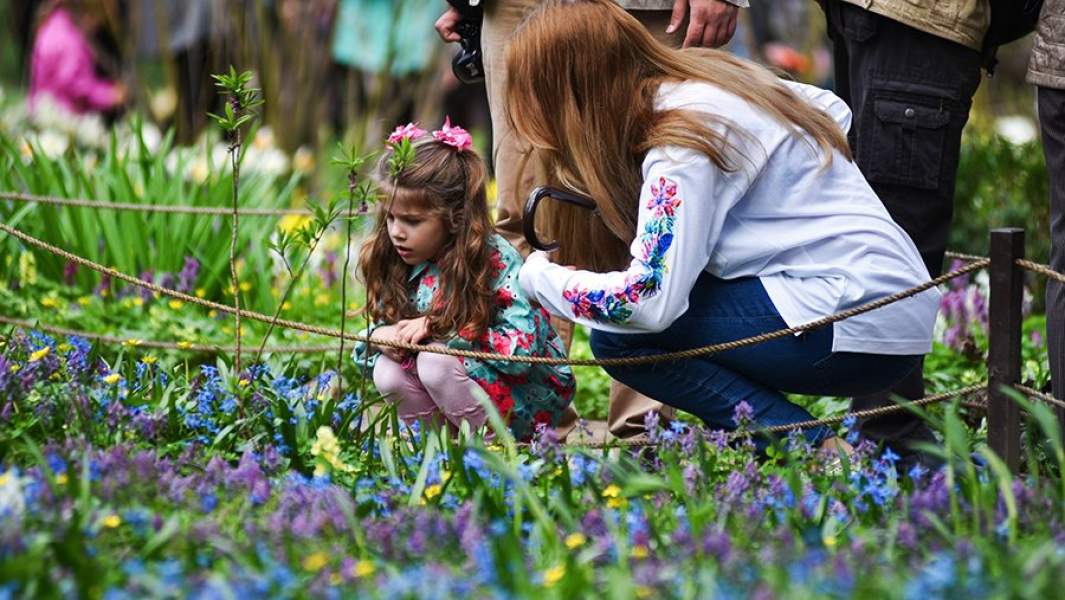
(449, 183)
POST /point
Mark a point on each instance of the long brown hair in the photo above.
(581, 82)
(451, 184)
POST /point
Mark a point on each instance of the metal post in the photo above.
(1004, 354)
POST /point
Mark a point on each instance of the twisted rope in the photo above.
(965, 257)
(1044, 270)
(488, 356)
(154, 208)
(160, 345)
(858, 414)
(1034, 393)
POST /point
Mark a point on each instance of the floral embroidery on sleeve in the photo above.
(645, 278)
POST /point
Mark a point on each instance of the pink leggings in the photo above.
(434, 385)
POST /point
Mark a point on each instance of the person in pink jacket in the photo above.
(63, 64)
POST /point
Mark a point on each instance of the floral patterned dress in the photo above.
(529, 394)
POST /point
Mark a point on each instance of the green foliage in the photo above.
(241, 100)
(1000, 184)
(128, 171)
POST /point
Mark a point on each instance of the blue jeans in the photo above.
(711, 386)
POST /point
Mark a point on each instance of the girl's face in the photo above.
(417, 234)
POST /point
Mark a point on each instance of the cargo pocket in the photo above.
(905, 143)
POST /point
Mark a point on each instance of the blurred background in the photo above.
(345, 70)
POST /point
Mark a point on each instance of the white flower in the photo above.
(12, 500)
(89, 130)
(52, 144)
(264, 138)
(1016, 129)
(163, 103)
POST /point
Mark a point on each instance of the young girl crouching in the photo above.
(436, 273)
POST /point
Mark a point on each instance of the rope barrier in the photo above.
(488, 356)
(1034, 393)
(858, 414)
(965, 257)
(1044, 270)
(154, 208)
(161, 345)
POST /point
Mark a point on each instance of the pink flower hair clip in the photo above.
(406, 132)
(455, 137)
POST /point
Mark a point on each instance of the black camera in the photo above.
(468, 64)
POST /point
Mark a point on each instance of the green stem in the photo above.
(344, 284)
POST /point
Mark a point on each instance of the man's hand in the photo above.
(446, 24)
(711, 25)
(389, 333)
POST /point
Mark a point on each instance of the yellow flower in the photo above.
(200, 292)
(290, 223)
(212, 313)
(132, 343)
(364, 568)
(335, 579)
(50, 302)
(61, 479)
(554, 575)
(611, 491)
(640, 552)
(112, 521)
(112, 378)
(432, 491)
(38, 355)
(85, 300)
(4, 478)
(245, 286)
(315, 562)
(138, 301)
(27, 269)
(14, 368)
(642, 591)
(286, 305)
(829, 540)
(321, 299)
(175, 304)
(615, 502)
(243, 383)
(184, 345)
(150, 359)
(575, 540)
(64, 347)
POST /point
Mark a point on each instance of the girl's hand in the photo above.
(389, 333)
(413, 331)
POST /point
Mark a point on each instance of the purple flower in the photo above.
(70, 269)
(744, 414)
(187, 277)
(104, 286)
(716, 543)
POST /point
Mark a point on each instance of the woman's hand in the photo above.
(413, 331)
(389, 333)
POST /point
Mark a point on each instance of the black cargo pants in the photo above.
(910, 93)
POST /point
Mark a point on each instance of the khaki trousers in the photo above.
(501, 19)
